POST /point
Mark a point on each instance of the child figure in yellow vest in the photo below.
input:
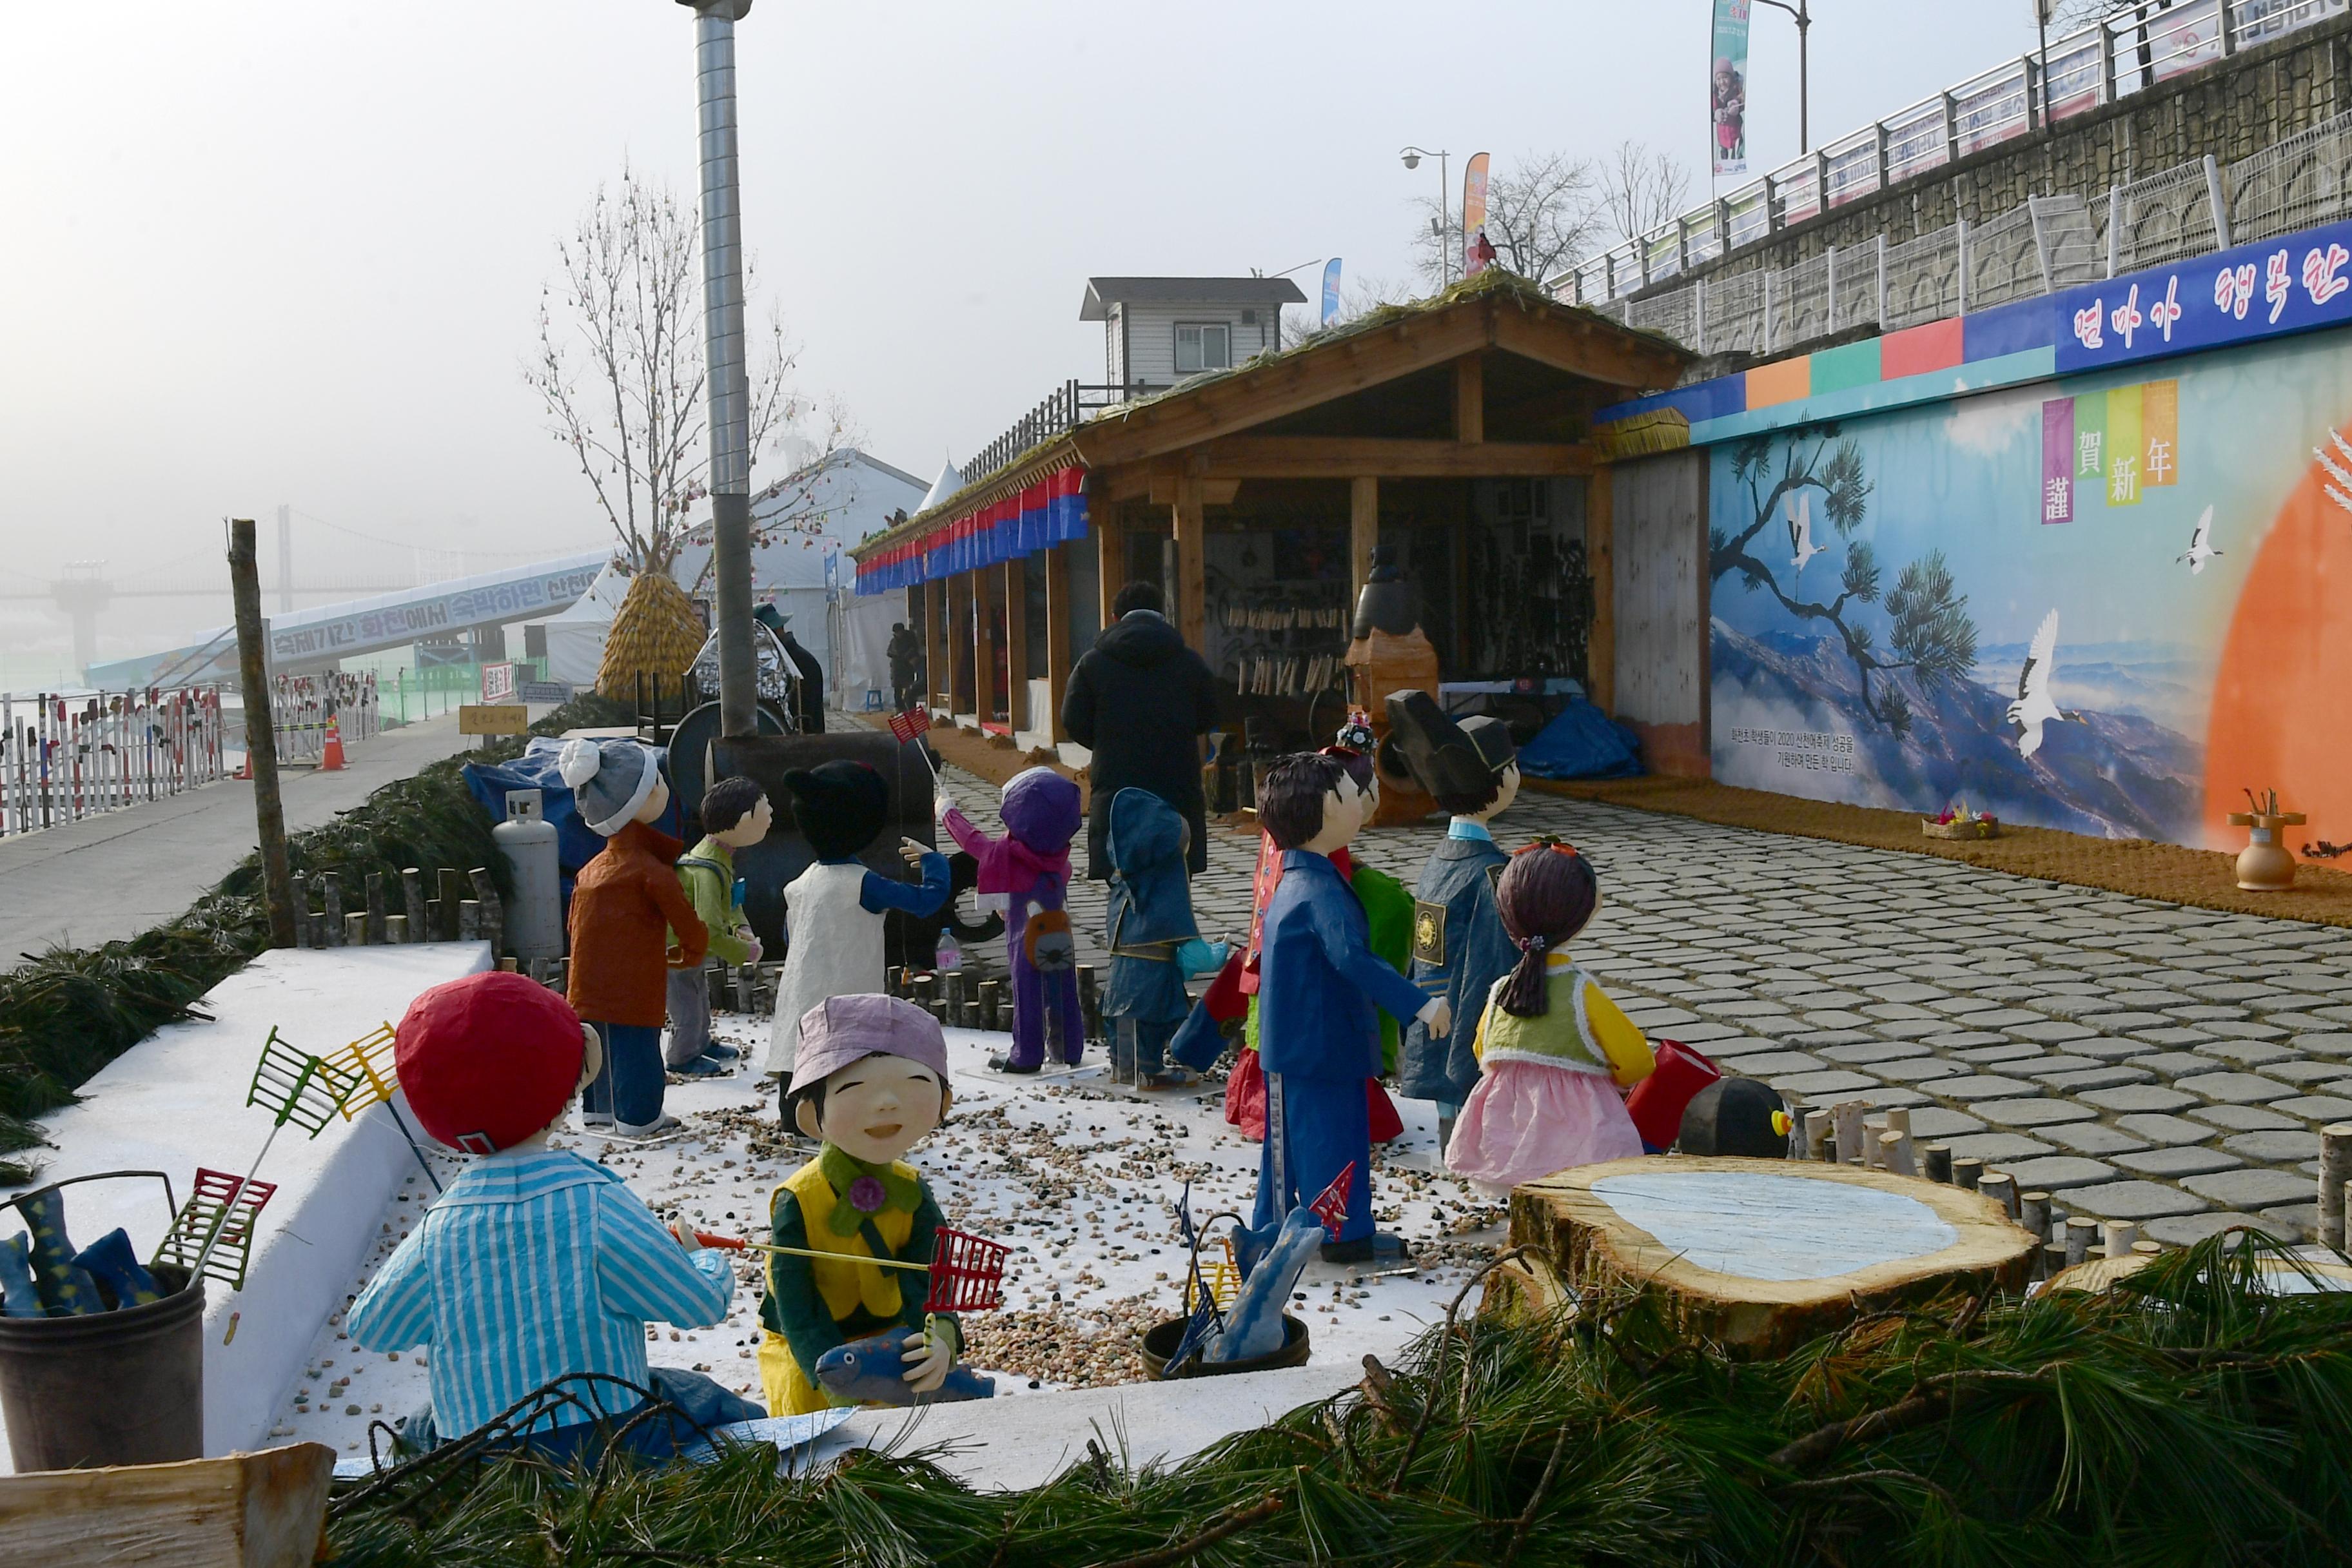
(1556, 1056)
(870, 1078)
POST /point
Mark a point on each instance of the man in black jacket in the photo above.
(1137, 700)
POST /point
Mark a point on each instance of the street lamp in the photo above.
(1804, 25)
(1412, 157)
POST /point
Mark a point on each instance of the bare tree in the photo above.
(1643, 190)
(2072, 15)
(1540, 219)
(620, 369)
(1357, 297)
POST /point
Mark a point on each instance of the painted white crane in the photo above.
(1800, 508)
(2200, 545)
(2034, 706)
(2340, 492)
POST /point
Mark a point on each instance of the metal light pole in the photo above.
(1412, 157)
(1804, 94)
(722, 336)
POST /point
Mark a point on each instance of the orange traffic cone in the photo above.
(332, 762)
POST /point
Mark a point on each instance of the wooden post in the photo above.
(331, 897)
(1938, 1165)
(1600, 559)
(1469, 399)
(260, 732)
(1017, 645)
(2001, 1188)
(2334, 1158)
(1191, 564)
(959, 598)
(983, 642)
(1847, 1119)
(1817, 1135)
(935, 641)
(1895, 1153)
(395, 932)
(446, 877)
(1363, 533)
(1057, 639)
(375, 915)
(355, 933)
(1110, 567)
(2080, 1230)
(1967, 1172)
(494, 909)
(2121, 1234)
(412, 900)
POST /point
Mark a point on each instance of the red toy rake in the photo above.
(907, 726)
(967, 1271)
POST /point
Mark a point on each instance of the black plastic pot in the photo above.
(108, 1388)
(1161, 1340)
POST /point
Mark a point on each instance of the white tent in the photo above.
(861, 622)
(947, 484)
(575, 639)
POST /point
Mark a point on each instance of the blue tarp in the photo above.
(1583, 743)
(575, 844)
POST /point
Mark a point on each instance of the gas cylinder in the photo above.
(534, 917)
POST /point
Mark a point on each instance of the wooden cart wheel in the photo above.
(1763, 1255)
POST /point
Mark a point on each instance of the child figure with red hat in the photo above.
(536, 1267)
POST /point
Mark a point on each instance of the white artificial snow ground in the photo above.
(1082, 1182)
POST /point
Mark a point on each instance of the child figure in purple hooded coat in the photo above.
(1028, 871)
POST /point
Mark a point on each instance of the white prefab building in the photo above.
(1157, 330)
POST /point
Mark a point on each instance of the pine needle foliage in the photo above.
(2188, 1416)
(67, 1012)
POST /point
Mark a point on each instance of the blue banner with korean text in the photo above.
(2292, 284)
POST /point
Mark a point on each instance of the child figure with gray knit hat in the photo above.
(625, 906)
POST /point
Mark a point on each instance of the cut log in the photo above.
(2280, 1274)
(247, 1510)
(1761, 1255)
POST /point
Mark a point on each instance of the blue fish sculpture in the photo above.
(19, 1297)
(1272, 1263)
(872, 1371)
(112, 1263)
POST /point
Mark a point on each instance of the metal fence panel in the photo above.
(2165, 217)
(1856, 287)
(2298, 184)
(1735, 314)
(1922, 278)
(2072, 237)
(1801, 302)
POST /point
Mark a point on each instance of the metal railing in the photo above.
(2049, 243)
(2118, 57)
(1065, 409)
(301, 706)
(67, 756)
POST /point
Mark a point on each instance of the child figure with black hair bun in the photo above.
(1555, 1054)
(833, 910)
(736, 815)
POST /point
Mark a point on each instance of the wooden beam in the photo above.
(1017, 644)
(1363, 533)
(983, 636)
(1470, 399)
(1218, 492)
(1601, 559)
(1111, 565)
(1057, 637)
(1588, 349)
(935, 643)
(1345, 457)
(1191, 565)
(958, 587)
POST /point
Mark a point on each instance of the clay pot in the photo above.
(2265, 866)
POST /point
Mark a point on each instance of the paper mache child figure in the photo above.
(1155, 943)
(630, 922)
(1029, 869)
(1557, 1055)
(871, 1083)
(1319, 985)
(736, 815)
(536, 1265)
(833, 910)
(1459, 946)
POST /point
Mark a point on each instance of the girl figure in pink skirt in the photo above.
(1556, 1056)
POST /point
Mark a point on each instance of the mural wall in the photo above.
(2110, 604)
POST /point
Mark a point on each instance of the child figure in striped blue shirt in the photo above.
(537, 1265)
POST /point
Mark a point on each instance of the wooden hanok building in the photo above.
(1454, 429)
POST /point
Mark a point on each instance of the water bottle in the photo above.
(949, 959)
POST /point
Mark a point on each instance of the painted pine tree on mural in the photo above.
(1928, 630)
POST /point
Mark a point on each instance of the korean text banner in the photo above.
(1727, 85)
(2262, 291)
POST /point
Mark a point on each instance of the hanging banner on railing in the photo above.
(1727, 87)
(1331, 291)
(1476, 252)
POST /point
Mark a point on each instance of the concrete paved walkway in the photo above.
(2136, 1059)
(110, 876)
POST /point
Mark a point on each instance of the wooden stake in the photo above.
(2149, 1249)
(2001, 1188)
(411, 899)
(2121, 1234)
(1895, 1153)
(395, 930)
(2053, 1258)
(375, 886)
(260, 732)
(331, 891)
(446, 929)
(1898, 1120)
(1818, 1125)
(494, 912)
(1847, 1119)
(2081, 1229)
(2334, 1164)
(2033, 1214)
(355, 929)
(470, 920)
(297, 892)
(1938, 1162)
(1967, 1172)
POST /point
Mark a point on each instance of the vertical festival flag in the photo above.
(2125, 451)
(2091, 446)
(1727, 85)
(2159, 431)
(1331, 291)
(2058, 460)
(1474, 216)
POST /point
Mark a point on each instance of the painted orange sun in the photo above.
(2282, 714)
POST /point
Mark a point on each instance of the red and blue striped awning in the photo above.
(1042, 513)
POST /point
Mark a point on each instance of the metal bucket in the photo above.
(1161, 1340)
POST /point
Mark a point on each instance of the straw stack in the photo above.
(656, 632)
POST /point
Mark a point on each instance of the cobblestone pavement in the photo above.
(2136, 1059)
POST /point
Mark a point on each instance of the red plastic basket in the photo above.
(1657, 1102)
(967, 1273)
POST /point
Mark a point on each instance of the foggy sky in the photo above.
(260, 251)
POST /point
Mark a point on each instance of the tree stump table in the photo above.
(1758, 1255)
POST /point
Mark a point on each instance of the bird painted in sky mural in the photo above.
(1801, 530)
(2200, 545)
(2034, 706)
(2340, 492)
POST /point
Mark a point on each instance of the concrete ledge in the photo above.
(177, 1102)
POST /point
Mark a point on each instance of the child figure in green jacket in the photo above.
(735, 815)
